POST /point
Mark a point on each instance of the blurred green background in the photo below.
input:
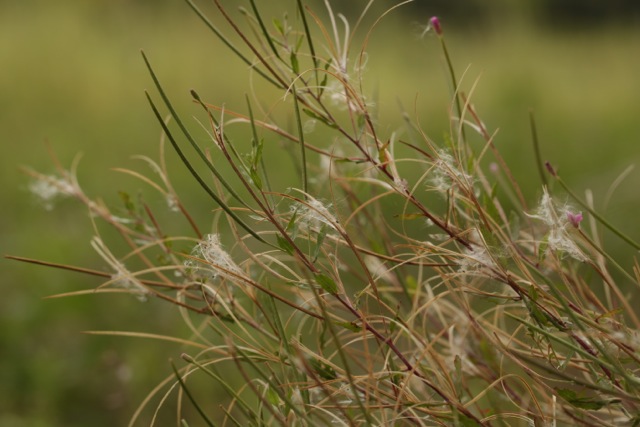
(72, 75)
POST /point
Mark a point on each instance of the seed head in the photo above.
(48, 188)
(557, 219)
(219, 261)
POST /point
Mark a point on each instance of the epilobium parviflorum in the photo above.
(389, 283)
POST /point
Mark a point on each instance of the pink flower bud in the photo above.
(550, 169)
(574, 218)
(435, 24)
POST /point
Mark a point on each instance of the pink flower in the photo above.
(435, 24)
(574, 218)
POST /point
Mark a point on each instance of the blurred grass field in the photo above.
(73, 76)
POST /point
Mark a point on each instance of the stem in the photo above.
(597, 216)
(536, 149)
(303, 151)
(454, 82)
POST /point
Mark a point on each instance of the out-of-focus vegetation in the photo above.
(72, 75)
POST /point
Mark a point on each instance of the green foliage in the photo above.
(327, 283)
(328, 300)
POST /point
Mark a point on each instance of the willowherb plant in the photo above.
(380, 288)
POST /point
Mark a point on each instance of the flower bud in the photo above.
(550, 169)
(435, 24)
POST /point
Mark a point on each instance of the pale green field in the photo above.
(72, 75)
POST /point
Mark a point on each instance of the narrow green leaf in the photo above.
(350, 326)
(465, 421)
(230, 45)
(284, 244)
(195, 174)
(257, 145)
(459, 375)
(325, 78)
(324, 370)
(362, 123)
(491, 239)
(542, 249)
(554, 337)
(273, 397)
(326, 283)
(209, 370)
(319, 241)
(265, 33)
(295, 66)
(323, 82)
(309, 38)
(126, 200)
(536, 149)
(291, 225)
(271, 381)
(490, 206)
(535, 312)
(320, 118)
(303, 151)
(257, 153)
(565, 361)
(410, 285)
(454, 83)
(255, 178)
(190, 396)
(581, 401)
(187, 134)
(278, 25)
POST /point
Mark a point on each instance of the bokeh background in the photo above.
(72, 75)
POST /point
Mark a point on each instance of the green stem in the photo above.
(198, 178)
(242, 404)
(597, 216)
(227, 43)
(254, 132)
(454, 82)
(536, 149)
(303, 151)
(186, 133)
(265, 33)
(307, 33)
(190, 396)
